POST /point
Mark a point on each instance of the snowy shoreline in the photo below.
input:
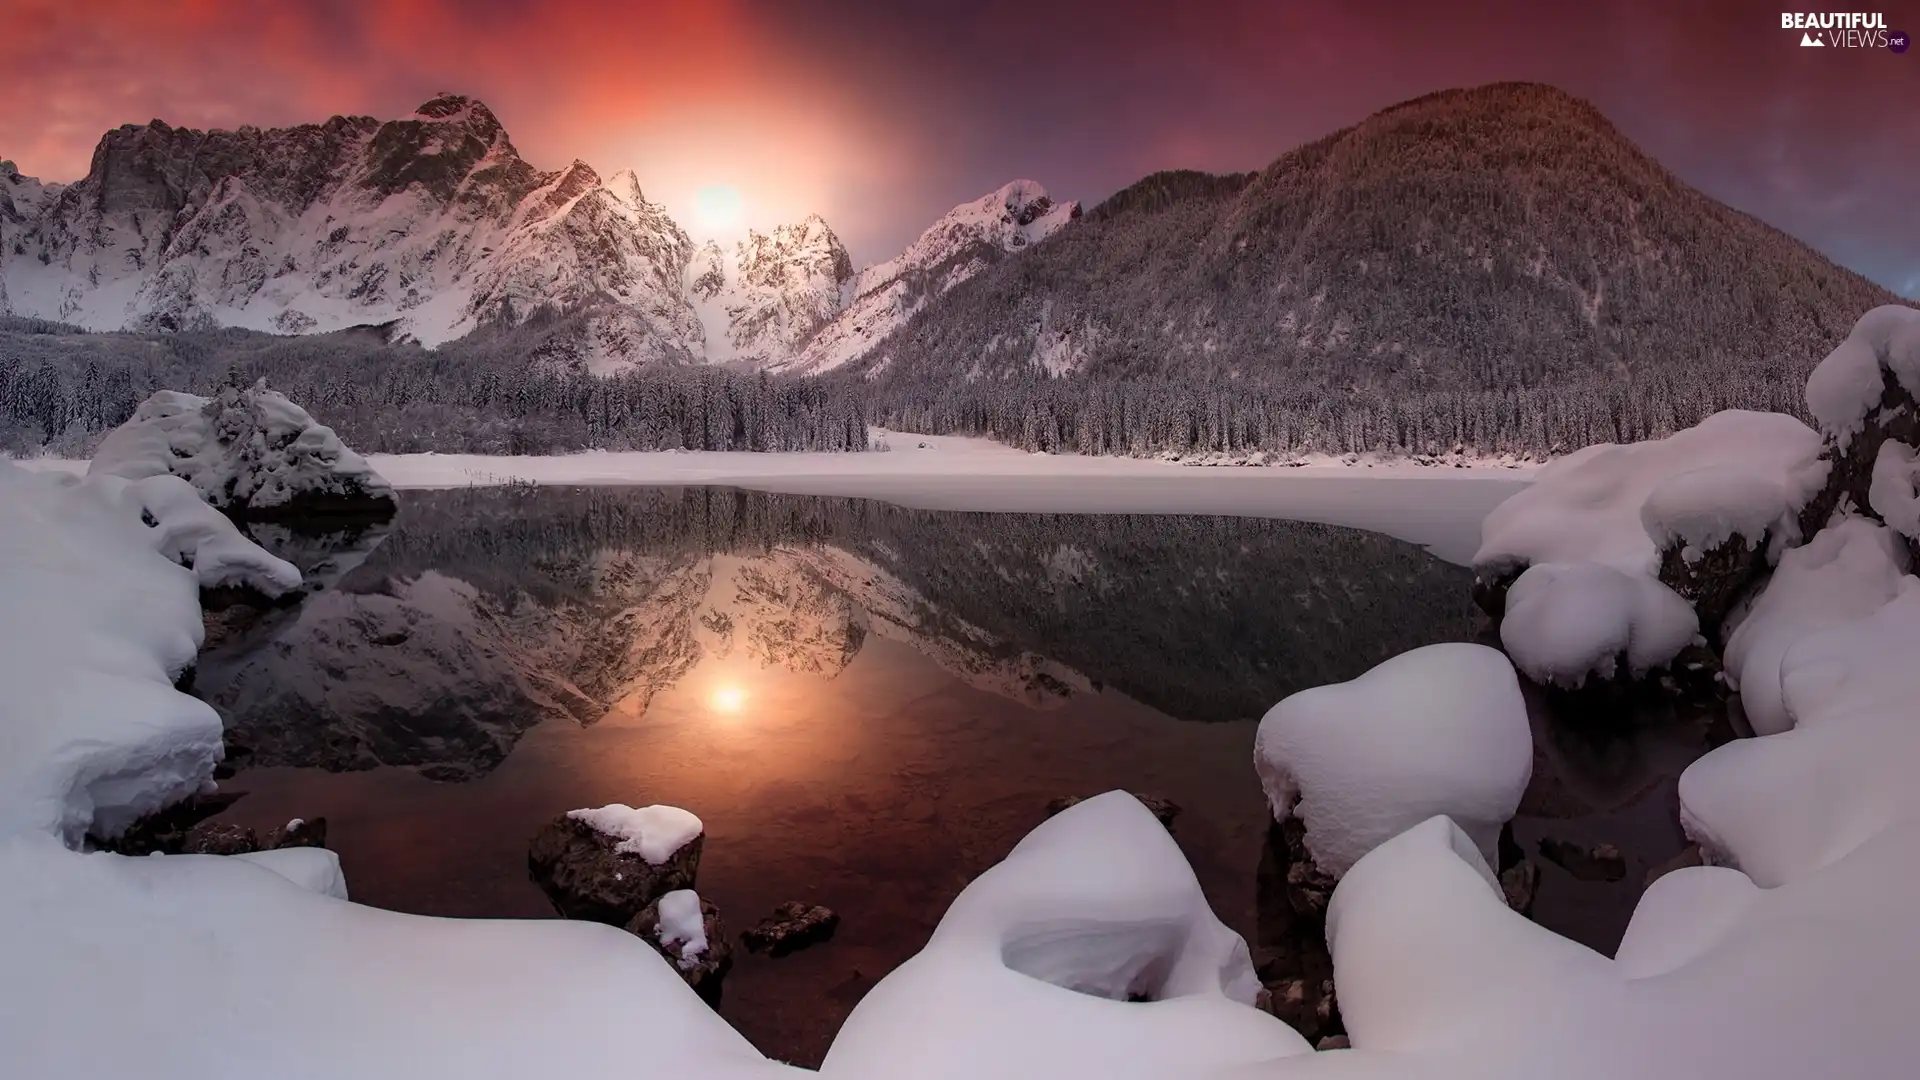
(977, 475)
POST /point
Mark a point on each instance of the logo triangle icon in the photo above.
(1809, 40)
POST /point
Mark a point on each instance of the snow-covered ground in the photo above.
(1437, 506)
(1087, 954)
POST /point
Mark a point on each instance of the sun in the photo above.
(720, 209)
(728, 699)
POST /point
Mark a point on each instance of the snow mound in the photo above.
(1439, 730)
(1849, 384)
(314, 869)
(97, 621)
(1805, 803)
(1028, 975)
(1892, 495)
(193, 534)
(652, 832)
(1614, 505)
(1703, 508)
(1568, 621)
(1848, 571)
(249, 451)
(682, 925)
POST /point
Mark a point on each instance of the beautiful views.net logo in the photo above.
(1845, 30)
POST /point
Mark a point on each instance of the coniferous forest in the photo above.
(61, 389)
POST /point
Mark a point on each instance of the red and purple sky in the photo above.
(880, 114)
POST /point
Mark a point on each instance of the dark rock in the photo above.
(1715, 579)
(705, 970)
(219, 838)
(1164, 809)
(166, 830)
(1689, 856)
(1290, 955)
(1520, 883)
(1601, 862)
(300, 832)
(1309, 889)
(1850, 474)
(793, 926)
(586, 878)
(1307, 1005)
(1334, 1042)
(1490, 585)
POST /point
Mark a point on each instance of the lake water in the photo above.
(866, 705)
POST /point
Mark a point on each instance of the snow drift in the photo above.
(1439, 730)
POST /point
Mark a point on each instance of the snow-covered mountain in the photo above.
(433, 221)
(435, 224)
(965, 241)
(765, 296)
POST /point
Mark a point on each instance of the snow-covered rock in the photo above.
(1848, 571)
(1642, 531)
(1881, 354)
(1566, 622)
(1891, 493)
(652, 832)
(1863, 395)
(685, 928)
(963, 242)
(249, 452)
(1439, 730)
(609, 863)
(1031, 971)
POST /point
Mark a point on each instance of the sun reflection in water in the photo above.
(728, 698)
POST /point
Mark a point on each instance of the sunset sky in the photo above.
(881, 114)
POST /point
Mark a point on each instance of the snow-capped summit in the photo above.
(768, 295)
(963, 242)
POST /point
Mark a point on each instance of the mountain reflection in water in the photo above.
(866, 705)
(488, 611)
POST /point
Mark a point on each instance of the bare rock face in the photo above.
(1715, 579)
(585, 877)
(705, 969)
(793, 926)
(1164, 809)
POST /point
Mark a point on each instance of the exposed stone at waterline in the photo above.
(586, 877)
(793, 926)
(219, 838)
(1164, 809)
(705, 970)
(1598, 862)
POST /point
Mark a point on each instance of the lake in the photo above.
(867, 705)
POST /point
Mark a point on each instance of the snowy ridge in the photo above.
(432, 226)
(433, 222)
(965, 241)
